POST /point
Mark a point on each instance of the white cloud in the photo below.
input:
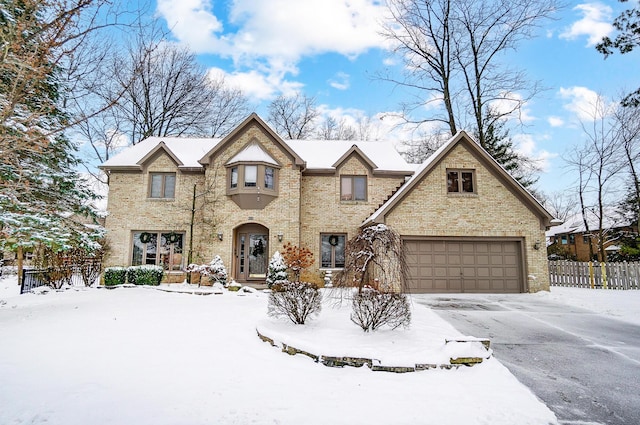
(258, 86)
(513, 105)
(340, 81)
(275, 34)
(594, 23)
(555, 121)
(586, 104)
(526, 145)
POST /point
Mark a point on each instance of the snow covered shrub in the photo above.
(214, 270)
(115, 276)
(145, 275)
(294, 300)
(277, 269)
(373, 308)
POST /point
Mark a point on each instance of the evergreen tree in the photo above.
(499, 145)
(277, 269)
(41, 193)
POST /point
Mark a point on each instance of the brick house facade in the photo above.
(471, 227)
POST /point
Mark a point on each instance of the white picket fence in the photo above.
(595, 275)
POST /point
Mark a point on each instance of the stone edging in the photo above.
(332, 361)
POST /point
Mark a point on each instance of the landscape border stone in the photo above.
(373, 364)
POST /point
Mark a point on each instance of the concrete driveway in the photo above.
(584, 366)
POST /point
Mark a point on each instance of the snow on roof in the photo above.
(252, 153)
(323, 154)
(575, 223)
(187, 150)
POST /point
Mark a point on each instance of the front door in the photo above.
(252, 252)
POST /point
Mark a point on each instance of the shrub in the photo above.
(297, 259)
(214, 270)
(373, 308)
(277, 269)
(115, 276)
(145, 275)
(294, 300)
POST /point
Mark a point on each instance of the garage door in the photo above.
(464, 266)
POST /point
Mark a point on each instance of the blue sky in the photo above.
(332, 50)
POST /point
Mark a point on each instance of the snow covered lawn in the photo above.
(143, 356)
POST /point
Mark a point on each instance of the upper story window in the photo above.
(461, 181)
(269, 177)
(353, 188)
(250, 175)
(162, 185)
(234, 177)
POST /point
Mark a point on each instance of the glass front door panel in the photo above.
(258, 252)
(241, 256)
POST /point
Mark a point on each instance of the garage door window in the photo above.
(461, 181)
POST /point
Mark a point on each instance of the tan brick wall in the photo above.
(324, 212)
(131, 209)
(493, 212)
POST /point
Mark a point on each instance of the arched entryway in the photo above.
(251, 253)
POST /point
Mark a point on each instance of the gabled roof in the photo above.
(423, 170)
(328, 155)
(252, 153)
(184, 151)
(251, 120)
(575, 223)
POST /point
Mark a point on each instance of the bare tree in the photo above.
(561, 204)
(598, 166)
(294, 116)
(627, 120)
(332, 129)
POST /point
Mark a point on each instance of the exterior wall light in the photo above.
(536, 245)
(280, 236)
(220, 236)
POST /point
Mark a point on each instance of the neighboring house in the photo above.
(571, 239)
(467, 225)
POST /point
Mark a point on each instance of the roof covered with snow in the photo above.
(575, 223)
(327, 154)
(252, 153)
(186, 150)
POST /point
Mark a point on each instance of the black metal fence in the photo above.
(84, 274)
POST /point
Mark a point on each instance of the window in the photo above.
(460, 181)
(563, 239)
(353, 188)
(332, 251)
(163, 185)
(269, 173)
(586, 239)
(234, 177)
(250, 175)
(158, 248)
(572, 239)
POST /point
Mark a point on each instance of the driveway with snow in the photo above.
(584, 365)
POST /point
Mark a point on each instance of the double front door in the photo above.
(252, 252)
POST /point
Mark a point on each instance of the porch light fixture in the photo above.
(220, 235)
(536, 245)
(280, 236)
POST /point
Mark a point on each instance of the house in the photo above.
(571, 240)
(467, 225)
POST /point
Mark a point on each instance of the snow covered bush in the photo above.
(373, 308)
(214, 270)
(277, 269)
(145, 275)
(294, 300)
(115, 276)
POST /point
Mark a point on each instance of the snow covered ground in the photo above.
(142, 356)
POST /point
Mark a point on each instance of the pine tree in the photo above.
(41, 193)
(277, 269)
(499, 145)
